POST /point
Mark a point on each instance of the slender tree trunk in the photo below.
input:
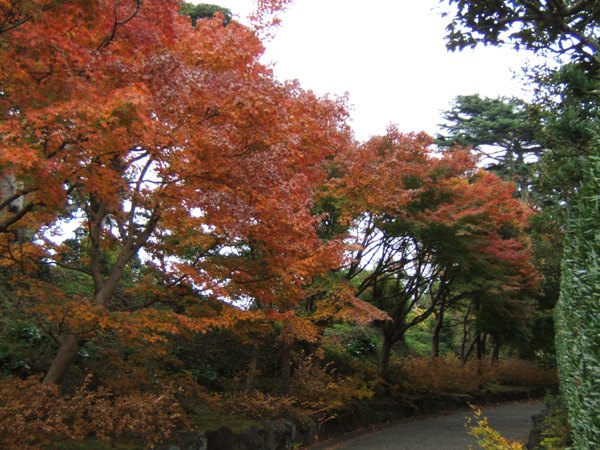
(463, 347)
(496, 352)
(71, 345)
(287, 340)
(67, 352)
(466, 353)
(481, 341)
(481, 338)
(435, 337)
(252, 368)
(286, 369)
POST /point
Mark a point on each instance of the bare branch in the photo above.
(5, 28)
(117, 23)
(7, 222)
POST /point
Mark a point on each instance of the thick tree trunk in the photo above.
(435, 337)
(104, 286)
(72, 344)
(286, 369)
(385, 356)
(67, 353)
(252, 368)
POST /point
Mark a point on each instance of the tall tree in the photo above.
(502, 130)
(428, 232)
(507, 132)
(205, 11)
(564, 27)
(169, 139)
(571, 31)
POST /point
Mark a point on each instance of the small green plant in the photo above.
(556, 433)
(361, 346)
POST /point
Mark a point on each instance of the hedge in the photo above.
(578, 314)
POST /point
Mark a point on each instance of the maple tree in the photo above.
(428, 231)
(508, 133)
(166, 138)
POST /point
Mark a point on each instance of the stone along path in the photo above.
(443, 432)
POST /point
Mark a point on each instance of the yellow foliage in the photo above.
(487, 437)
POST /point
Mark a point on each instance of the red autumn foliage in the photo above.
(427, 230)
(166, 138)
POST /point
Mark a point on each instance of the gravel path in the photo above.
(442, 432)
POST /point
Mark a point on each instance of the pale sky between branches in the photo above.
(388, 55)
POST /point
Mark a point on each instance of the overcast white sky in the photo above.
(389, 55)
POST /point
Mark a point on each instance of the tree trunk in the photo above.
(252, 368)
(435, 337)
(386, 350)
(496, 352)
(463, 348)
(286, 369)
(481, 338)
(104, 286)
(67, 353)
(466, 351)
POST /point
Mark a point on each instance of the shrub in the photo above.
(525, 373)
(556, 434)
(32, 415)
(258, 405)
(316, 392)
(449, 374)
(446, 374)
(344, 343)
(319, 390)
(361, 347)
